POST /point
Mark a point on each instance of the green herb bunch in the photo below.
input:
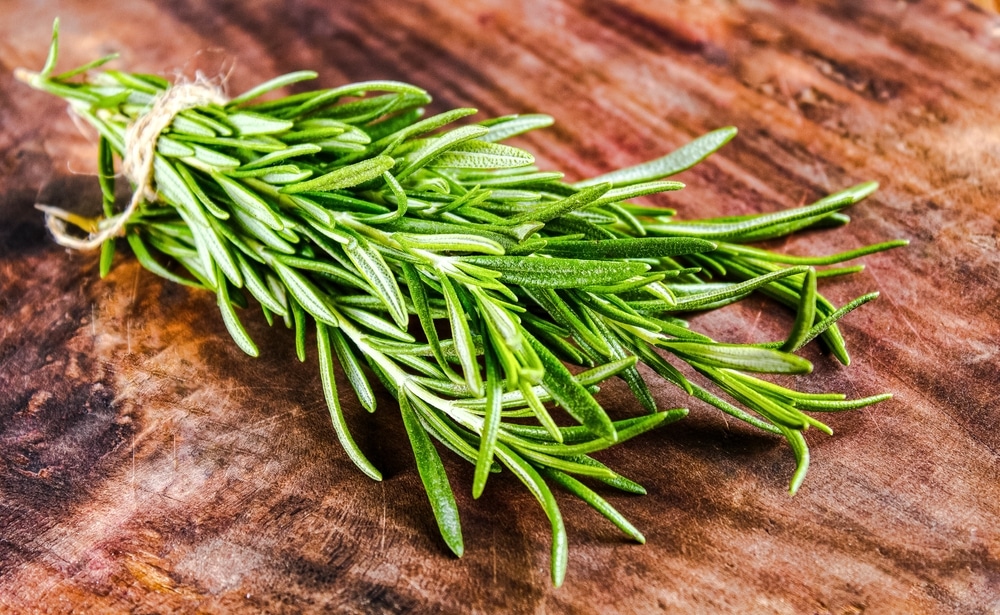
(462, 276)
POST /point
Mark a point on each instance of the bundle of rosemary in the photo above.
(463, 277)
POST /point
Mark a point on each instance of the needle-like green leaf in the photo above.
(507, 127)
(541, 272)
(737, 356)
(806, 313)
(344, 177)
(433, 476)
(306, 293)
(598, 503)
(333, 403)
(273, 84)
(681, 159)
(571, 395)
(531, 479)
(232, 322)
(647, 247)
(482, 155)
(462, 335)
(491, 420)
(373, 268)
(352, 368)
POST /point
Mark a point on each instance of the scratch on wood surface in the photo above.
(871, 417)
(132, 302)
(382, 520)
(135, 289)
(162, 494)
(493, 551)
(253, 388)
(753, 326)
(270, 421)
(133, 471)
(917, 337)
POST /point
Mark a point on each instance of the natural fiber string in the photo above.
(137, 163)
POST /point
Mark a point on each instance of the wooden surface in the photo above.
(146, 465)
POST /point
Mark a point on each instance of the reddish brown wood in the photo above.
(147, 466)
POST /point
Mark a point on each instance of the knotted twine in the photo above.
(137, 163)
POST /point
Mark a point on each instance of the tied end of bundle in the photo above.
(137, 165)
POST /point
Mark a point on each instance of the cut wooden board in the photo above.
(146, 465)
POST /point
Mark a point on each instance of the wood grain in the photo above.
(147, 466)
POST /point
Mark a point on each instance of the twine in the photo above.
(137, 164)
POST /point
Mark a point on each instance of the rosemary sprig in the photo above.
(344, 211)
